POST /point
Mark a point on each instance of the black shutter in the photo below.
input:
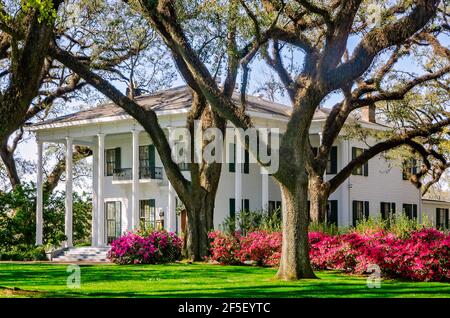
(151, 160)
(438, 217)
(232, 165)
(232, 208)
(447, 219)
(246, 205)
(355, 206)
(366, 168)
(117, 159)
(353, 157)
(393, 208)
(366, 209)
(383, 210)
(106, 172)
(415, 211)
(333, 212)
(333, 159)
(246, 162)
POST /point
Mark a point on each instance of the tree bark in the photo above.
(10, 165)
(294, 263)
(318, 197)
(199, 223)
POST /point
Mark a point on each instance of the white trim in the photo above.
(100, 120)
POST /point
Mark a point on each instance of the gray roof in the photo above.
(177, 98)
(170, 99)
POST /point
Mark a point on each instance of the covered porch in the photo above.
(132, 177)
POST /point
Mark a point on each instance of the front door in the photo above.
(113, 220)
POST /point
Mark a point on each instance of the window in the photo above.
(147, 214)
(410, 210)
(245, 166)
(409, 168)
(387, 209)
(274, 206)
(113, 220)
(360, 211)
(112, 158)
(245, 206)
(442, 218)
(332, 160)
(362, 170)
(147, 161)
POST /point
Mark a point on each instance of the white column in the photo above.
(264, 189)
(134, 224)
(69, 195)
(238, 176)
(94, 229)
(345, 210)
(39, 195)
(100, 185)
(171, 210)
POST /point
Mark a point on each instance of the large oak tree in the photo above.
(321, 30)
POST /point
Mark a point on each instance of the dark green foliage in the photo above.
(23, 253)
(249, 221)
(18, 215)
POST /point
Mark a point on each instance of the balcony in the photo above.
(145, 173)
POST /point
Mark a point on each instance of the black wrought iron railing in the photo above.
(144, 173)
(123, 174)
(151, 173)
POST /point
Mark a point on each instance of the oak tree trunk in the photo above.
(10, 165)
(199, 223)
(294, 263)
(318, 196)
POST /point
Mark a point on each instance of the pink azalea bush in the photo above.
(260, 247)
(145, 248)
(224, 248)
(423, 256)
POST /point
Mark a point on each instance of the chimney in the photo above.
(368, 113)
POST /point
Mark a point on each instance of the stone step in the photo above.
(87, 254)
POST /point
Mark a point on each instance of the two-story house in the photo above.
(130, 188)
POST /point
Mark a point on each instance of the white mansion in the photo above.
(130, 186)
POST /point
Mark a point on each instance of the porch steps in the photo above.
(83, 254)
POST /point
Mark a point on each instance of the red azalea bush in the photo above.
(423, 256)
(145, 248)
(224, 248)
(260, 247)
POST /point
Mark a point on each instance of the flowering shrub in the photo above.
(151, 248)
(261, 247)
(224, 247)
(424, 255)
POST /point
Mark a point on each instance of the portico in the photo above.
(103, 182)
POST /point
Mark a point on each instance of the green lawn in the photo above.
(194, 280)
